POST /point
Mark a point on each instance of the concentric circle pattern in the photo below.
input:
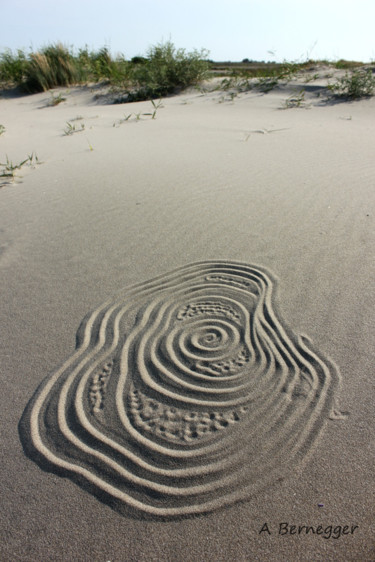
(185, 394)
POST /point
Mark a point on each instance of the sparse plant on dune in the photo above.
(123, 120)
(295, 100)
(156, 106)
(9, 169)
(285, 74)
(139, 115)
(71, 129)
(238, 81)
(354, 85)
(56, 99)
(33, 159)
(263, 79)
(311, 78)
(267, 84)
(2, 129)
(228, 97)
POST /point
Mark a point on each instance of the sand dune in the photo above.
(188, 416)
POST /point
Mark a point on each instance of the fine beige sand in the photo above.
(187, 326)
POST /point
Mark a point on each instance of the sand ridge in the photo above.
(186, 395)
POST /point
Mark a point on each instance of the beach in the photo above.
(120, 215)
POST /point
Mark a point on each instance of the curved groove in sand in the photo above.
(186, 393)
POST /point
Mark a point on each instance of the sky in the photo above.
(231, 30)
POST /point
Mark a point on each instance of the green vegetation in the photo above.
(156, 106)
(53, 66)
(296, 100)
(95, 66)
(137, 116)
(267, 83)
(12, 67)
(347, 64)
(163, 71)
(358, 82)
(56, 99)
(354, 85)
(56, 65)
(2, 129)
(71, 129)
(261, 76)
(167, 70)
(8, 171)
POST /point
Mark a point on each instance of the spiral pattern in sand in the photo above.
(185, 394)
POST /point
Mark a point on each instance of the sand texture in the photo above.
(187, 327)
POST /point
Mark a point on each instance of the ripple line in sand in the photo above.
(185, 393)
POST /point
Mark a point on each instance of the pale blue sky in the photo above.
(229, 29)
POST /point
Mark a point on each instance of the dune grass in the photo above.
(70, 129)
(56, 65)
(53, 66)
(163, 71)
(263, 77)
(357, 83)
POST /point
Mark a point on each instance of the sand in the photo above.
(187, 320)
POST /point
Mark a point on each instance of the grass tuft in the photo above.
(56, 99)
(9, 169)
(71, 129)
(51, 67)
(295, 100)
(354, 85)
(138, 116)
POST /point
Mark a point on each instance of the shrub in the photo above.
(167, 70)
(355, 85)
(98, 65)
(347, 64)
(138, 60)
(12, 67)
